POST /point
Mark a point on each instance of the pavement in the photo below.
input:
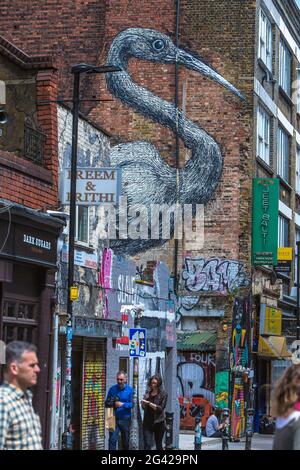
(259, 442)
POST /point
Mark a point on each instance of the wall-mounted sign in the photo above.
(273, 346)
(94, 186)
(265, 221)
(81, 258)
(270, 320)
(285, 254)
(28, 243)
(137, 342)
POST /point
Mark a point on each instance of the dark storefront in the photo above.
(28, 257)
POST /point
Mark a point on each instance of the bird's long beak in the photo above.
(191, 62)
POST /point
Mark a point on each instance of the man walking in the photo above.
(120, 397)
(20, 427)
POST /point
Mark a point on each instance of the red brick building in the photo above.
(210, 278)
(28, 188)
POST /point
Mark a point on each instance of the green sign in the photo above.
(265, 221)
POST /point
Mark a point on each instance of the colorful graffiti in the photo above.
(213, 275)
(222, 387)
(154, 180)
(239, 364)
(93, 394)
(195, 386)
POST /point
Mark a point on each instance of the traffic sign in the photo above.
(137, 342)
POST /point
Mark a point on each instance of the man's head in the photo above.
(121, 379)
(21, 366)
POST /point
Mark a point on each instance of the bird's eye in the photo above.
(158, 45)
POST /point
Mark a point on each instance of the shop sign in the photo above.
(94, 186)
(283, 268)
(270, 321)
(96, 327)
(285, 254)
(81, 258)
(273, 346)
(28, 244)
(265, 221)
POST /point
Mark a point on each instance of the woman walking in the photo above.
(154, 404)
(287, 410)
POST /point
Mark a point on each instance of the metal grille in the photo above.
(93, 393)
(34, 141)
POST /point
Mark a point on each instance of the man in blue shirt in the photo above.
(213, 428)
(120, 397)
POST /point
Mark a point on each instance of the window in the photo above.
(297, 185)
(283, 231)
(283, 151)
(297, 239)
(265, 40)
(82, 224)
(298, 88)
(285, 68)
(263, 135)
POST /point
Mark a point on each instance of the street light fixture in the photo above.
(77, 70)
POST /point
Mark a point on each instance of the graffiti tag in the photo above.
(213, 275)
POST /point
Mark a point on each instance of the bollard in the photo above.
(169, 430)
(225, 431)
(249, 428)
(198, 433)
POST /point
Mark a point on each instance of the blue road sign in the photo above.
(137, 342)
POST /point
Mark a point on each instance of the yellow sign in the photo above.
(273, 346)
(285, 254)
(270, 321)
(74, 293)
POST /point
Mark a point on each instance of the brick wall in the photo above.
(222, 34)
(23, 181)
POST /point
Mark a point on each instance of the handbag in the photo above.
(110, 419)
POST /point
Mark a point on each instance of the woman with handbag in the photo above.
(154, 404)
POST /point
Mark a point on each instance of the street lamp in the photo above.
(134, 434)
(76, 71)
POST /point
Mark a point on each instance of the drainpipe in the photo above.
(175, 265)
(53, 429)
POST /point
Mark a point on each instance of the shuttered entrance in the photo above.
(93, 394)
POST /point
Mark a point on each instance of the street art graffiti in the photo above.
(213, 275)
(195, 386)
(222, 387)
(154, 180)
(239, 364)
(117, 277)
(93, 393)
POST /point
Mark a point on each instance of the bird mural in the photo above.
(146, 178)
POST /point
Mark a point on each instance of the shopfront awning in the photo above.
(273, 347)
(196, 341)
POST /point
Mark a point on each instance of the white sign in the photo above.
(94, 186)
(81, 258)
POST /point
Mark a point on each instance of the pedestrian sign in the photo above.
(137, 342)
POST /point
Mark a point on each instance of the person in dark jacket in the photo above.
(154, 403)
(287, 410)
(120, 397)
